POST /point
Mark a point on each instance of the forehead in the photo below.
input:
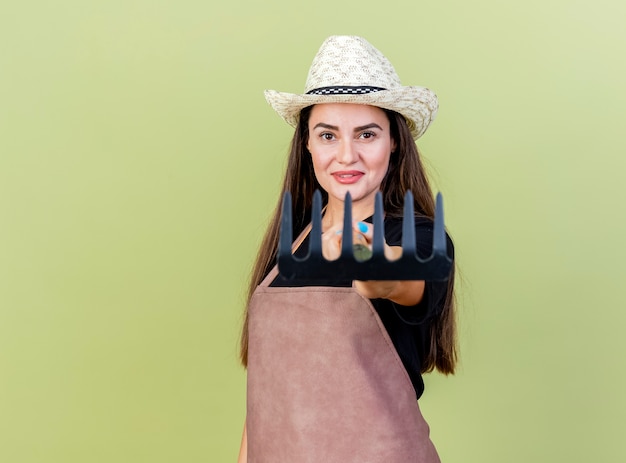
(348, 114)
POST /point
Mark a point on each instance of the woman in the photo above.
(334, 367)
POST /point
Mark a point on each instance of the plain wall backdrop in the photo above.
(139, 163)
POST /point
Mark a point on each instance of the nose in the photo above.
(347, 153)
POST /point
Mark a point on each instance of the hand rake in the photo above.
(351, 265)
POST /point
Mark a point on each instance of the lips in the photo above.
(347, 177)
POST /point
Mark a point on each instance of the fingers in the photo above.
(331, 244)
(363, 233)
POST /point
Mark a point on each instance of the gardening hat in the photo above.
(348, 69)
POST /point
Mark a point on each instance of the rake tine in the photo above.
(346, 239)
(378, 243)
(439, 233)
(286, 227)
(408, 227)
(315, 244)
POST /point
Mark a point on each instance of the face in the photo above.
(350, 146)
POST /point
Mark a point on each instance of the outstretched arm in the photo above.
(406, 292)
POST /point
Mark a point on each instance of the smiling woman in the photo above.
(335, 367)
(350, 146)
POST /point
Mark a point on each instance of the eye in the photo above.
(327, 136)
(367, 135)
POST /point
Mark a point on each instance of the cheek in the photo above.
(320, 157)
(317, 162)
(383, 163)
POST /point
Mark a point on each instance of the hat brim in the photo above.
(418, 105)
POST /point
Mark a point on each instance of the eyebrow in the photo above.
(372, 125)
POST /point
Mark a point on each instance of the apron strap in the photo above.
(271, 276)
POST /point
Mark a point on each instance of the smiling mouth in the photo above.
(347, 176)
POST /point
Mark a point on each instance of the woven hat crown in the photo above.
(348, 69)
(350, 61)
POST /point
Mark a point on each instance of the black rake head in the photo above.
(351, 265)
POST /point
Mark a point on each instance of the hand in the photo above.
(331, 243)
(362, 236)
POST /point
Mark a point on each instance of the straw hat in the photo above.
(348, 69)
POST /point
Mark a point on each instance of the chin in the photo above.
(357, 194)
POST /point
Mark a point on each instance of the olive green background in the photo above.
(139, 163)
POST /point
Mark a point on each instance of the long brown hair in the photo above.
(405, 172)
